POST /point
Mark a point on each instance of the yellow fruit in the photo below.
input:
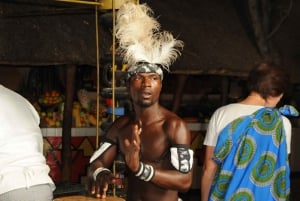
(92, 119)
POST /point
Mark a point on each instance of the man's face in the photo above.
(145, 88)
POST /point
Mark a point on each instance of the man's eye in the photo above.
(155, 77)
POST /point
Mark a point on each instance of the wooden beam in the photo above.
(179, 92)
(70, 74)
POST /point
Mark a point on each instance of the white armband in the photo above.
(102, 148)
(182, 158)
(98, 170)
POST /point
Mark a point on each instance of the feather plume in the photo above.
(140, 38)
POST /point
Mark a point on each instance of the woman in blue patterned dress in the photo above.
(247, 143)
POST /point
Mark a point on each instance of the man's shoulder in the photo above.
(173, 121)
(172, 117)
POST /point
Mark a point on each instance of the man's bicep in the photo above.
(180, 134)
(181, 153)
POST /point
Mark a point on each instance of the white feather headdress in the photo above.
(140, 38)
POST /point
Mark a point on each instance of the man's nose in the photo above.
(146, 82)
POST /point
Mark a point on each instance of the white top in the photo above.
(22, 163)
(225, 114)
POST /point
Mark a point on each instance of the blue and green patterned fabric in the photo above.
(252, 158)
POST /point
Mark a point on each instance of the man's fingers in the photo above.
(100, 192)
(93, 191)
(103, 191)
(140, 127)
(91, 186)
(126, 143)
(137, 129)
(97, 192)
(137, 133)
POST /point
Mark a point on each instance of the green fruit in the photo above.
(58, 124)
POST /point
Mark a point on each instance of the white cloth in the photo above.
(22, 163)
(225, 114)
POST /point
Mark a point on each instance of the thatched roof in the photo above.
(215, 40)
(46, 34)
(51, 33)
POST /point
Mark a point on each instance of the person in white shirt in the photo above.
(267, 83)
(24, 174)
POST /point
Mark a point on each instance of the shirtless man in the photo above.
(154, 142)
(152, 138)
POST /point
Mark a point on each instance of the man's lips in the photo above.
(146, 94)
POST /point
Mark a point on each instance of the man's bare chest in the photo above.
(154, 144)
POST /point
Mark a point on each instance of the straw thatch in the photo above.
(50, 33)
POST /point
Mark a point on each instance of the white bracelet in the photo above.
(98, 170)
(146, 172)
(140, 170)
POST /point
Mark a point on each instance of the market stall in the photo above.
(61, 36)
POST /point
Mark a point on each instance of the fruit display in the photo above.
(50, 98)
(79, 116)
(51, 119)
(83, 113)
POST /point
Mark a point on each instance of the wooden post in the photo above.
(179, 92)
(70, 73)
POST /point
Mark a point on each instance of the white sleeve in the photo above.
(288, 132)
(212, 132)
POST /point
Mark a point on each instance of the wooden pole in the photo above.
(179, 92)
(70, 73)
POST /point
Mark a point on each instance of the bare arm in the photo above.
(132, 149)
(98, 183)
(208, 173)
(99, 175)
(178, 134)
(173, 179)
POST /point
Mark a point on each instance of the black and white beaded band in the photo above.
(99, 170)
(145, 172)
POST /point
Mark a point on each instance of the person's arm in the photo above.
(179, 134)
(173, 178)
(99, 174)
(208, 173)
